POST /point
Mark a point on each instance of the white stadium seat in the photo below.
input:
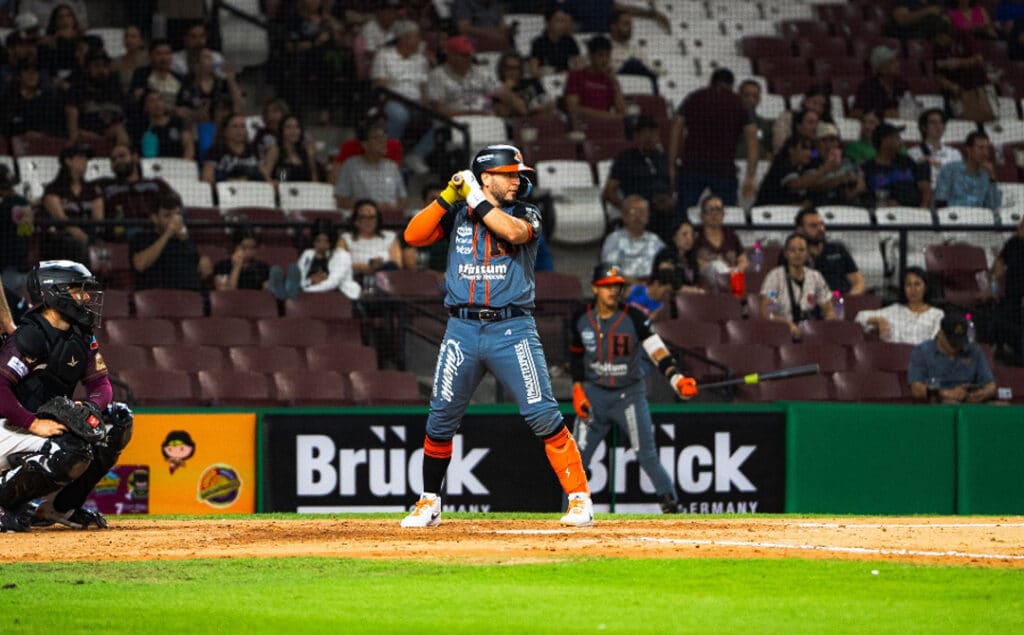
(98, 168)
(773, 215)
(39, 169)
(957, 130)
(232, 194)
(307, 196)
(845, 215)
(193, 193)
(563, 176)
(635, 85)
(579, 217)
(242, 42)
(887, 216)
(113, 40)
(965, 216)
(253, 124)
(1012, 210)
(169, 168)
(483, 130)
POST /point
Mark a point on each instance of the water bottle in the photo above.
(150, 144)
(757, 257)
(970, 328)
(773, 305)
(838, 305)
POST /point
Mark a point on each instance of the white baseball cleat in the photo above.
(427, 512)
(580, 512)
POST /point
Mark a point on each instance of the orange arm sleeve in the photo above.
(425, 227)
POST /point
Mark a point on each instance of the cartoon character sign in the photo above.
(178, 448)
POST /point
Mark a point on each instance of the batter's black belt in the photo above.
(486, 314)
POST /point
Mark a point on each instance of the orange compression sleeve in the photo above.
(425, 227)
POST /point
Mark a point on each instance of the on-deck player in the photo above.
(490, 297)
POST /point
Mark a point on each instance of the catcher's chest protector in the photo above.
(58, 361)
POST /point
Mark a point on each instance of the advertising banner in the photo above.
(188, 464)
(721, 463)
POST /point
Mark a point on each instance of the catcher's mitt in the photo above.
(80, 420)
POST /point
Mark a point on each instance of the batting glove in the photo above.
(473, 192)
(452, 194)
(685, 387)
(580, 403)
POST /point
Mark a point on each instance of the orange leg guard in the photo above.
(564, 456)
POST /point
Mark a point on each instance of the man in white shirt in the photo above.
(457, 87)
(627, 56)
(371, 175)
(932, 124)
(632, 246)
(381, 28)
(403, 69)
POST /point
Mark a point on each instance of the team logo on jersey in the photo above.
(468, 271)
(528, 369)
(620, 345)
(18, 366)
(101, 365)
(448, 362)
(463, 251)
(608, 369)
(589, 340)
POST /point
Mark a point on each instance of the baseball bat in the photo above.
(756, 378)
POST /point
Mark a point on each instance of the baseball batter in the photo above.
(50, 447)
(609, 343)
(492, 240)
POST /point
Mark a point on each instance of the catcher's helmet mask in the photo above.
(503, 158)
(51, 283)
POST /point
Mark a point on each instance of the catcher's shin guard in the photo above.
(119, 421)
(61, 460)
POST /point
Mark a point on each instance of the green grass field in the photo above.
(587, 595)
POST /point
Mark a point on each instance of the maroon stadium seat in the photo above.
(885, 356)
(956, 266)
(832, 332)
(830, 357)
(235, 388)
(711, 307)
(140, 331)
(557, 293)
(796, 29)
(168, 303)
(291, 331)
(872, 385)
(267, 359)
(411, 285)
(37, 144)
(247, 303)
(825, 67)
(116, 304)
(280, 255)
(109, 262)
(743, 358)
(159, 387)
(341, 357)
(767, 332)
(813, 48)
(552, 149)
(602, 149)
(689, 333)
(757, 46)
(320, 306)
(188, 358)
(313, 388)
(808, 388)
(217, 331)
(854, 304)
(1012, 378)
(385, 388)
(205, 226)
(120, 357)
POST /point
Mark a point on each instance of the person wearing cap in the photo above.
(932, 125)
(28, 106)
(403, 68)
(893, 178)
(971, 182)
(845, 184)
(69, 197)
(643, 170)
(95, 103)
(594, 91)
(458, 87)
(828, 257)
(489, 294)
(882, 90)
(950, 368)
(555, 50)
(612, 348)
(632, 245)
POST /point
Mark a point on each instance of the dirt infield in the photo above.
(997, 542)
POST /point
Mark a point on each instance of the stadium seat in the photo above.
(408, 284)
(281, 255)
(170, 169)
(808, 388)
(832, 332)
(38, 170)
(886, 356)
(603, 149)
(168, 303)
(32, 144)
(824, 47)
(159, 387)
(896, 215)
(711, 307)
(755, 331)
(120, 357)
(320, 306)
(853, 304)
(845, 215)
(529, 26)
(957, 267)
(830, 357)
(140, 332)
(267, 358)
(579, 217)
(269, 223)
(773, 215)
(1012, 378)
(1012, 210)
(341, 356)
(743, 358)
(189, 358)
(385, 388)
(557, 293)
(109, 262)
(957, 130)
(870, 386)
(291, 331)
(217, 331)
(247, 303)
(113, 40)
(244, 41)
(235, 388)
(635, 85)
(193, 193)
(234, 194)
(484, 130)
(98, 168)
(116, 304)
(313, 388)
(759, 46)
(771, 105)
(307, 196)
(965, 216)
(734, 216)
(688, 333)
(554, 337)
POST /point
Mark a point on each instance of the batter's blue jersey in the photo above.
(485, 270)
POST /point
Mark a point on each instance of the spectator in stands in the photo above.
(135, 56)
(164, 257)
(750, 93)
(863, 148)
(324, 267)
(482, 20)
(842, 186)
(950, 368)
(433, 258)
(312, 45)
(932, 124)
(627, 57)
(371, 175)
(643, 170)
(971, 18)
(594, 16)
(231, 157)
(380, 28)
(718, 247)
(43, 9)
(23, 43)
(194, 42)
(828, 257)
(157, 75)
(30, 107)
(706, 127)
(1010, 15)
(243, 270)
(403, 69)
(95, 104)
(800, 293)
(457, 87)
(632, 246)
(912, 319)
(57, 48)
(16, 229)
(814, 108)
(1008, 272)
(594, 90)
(555, 50)
(791, 177)
(892, 178)
(882, 90)
(69, 197)
(682, 255)
(207, 96)
(652, 297)
(293, 157)
(971, 182)
(373, 248)
(527, 95)
(910, 19)
(961, 74)
(127, 195)
(274, 110)
(158, 132)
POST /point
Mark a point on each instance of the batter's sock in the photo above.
(565, 460)
(436, 457)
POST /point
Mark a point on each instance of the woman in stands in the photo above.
(232, 157)
(273, 112)
(206, 97)
(816, 101)
(323, 267)
(69, 197)
(682, 255)
(293, 157)
(718, 247)
(373, 248)
(912, 320)
(57, 48)
(793, 293)
(136, 55)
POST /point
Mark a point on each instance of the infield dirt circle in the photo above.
(977, 541)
